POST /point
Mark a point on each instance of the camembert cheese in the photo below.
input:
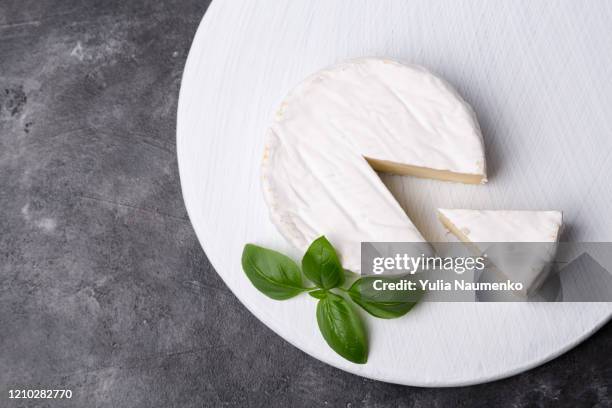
(338, 127)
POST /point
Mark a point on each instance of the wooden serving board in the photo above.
(538, 78)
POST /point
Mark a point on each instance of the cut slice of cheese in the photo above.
(341, 124)
(503, 225)
(492, 232)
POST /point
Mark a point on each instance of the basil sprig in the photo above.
(279, 277)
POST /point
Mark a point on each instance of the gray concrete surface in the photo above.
(104, 288)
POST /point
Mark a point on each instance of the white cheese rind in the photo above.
(316, 180)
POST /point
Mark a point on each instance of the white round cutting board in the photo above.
(538, 79)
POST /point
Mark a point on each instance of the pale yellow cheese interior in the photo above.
(385, 166)
(453, 228)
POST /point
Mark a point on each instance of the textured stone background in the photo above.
(104, 288)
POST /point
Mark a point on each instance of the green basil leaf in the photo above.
(272, 273)
(321, 264)
(386, 304)
(342, 328)
(318, 294)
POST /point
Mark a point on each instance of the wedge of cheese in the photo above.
(341, 125)
(493, 232)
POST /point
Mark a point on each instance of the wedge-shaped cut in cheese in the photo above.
(341, 124)
(493, 232)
